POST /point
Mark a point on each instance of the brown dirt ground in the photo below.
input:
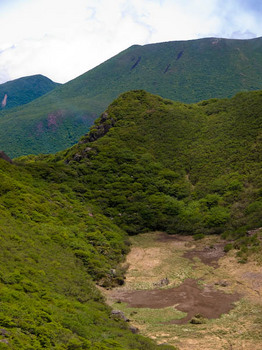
(209, 255)
(189, 297)
(203, 280)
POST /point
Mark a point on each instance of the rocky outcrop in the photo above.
(84, 154)
(120, 314)
(104, 124)
(101, 128)
(253, 232)
(162, 283)
(134, 329)
(4, 101)
(5, 157)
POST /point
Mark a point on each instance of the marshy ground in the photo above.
(210, 301)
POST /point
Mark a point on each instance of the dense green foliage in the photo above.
(53, 246)
(165, 165)
(148, 163)
(187, 71)
(24, 90)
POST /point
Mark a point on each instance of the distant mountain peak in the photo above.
(23, 90)
(186, 71)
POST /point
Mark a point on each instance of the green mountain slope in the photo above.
(148, 163)
(154, 164)
(24, 90)
(53, 247)
(187, 71)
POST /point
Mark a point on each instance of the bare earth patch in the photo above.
(189, 297)
(208, 301)
(207, 255)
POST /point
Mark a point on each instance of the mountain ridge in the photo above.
(146, 164)
(189, 152)
(17, 92)
(187, 71)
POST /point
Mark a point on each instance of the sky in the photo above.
(63, 39)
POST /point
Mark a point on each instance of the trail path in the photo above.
(191, 294)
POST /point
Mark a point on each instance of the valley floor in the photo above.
(191, 294)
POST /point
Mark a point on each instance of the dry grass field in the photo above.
(207, 300)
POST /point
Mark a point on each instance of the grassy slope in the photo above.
(163, 165)
(240, 328)
(187, 71)
(24, 90)
(170, 166)
(52, 248)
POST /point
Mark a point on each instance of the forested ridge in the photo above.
(185, 71)
(21, 91)
(147, 164)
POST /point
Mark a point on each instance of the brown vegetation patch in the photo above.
(246, 278)
(164, 237)
(157, 256)
(140, 258)
(189, 297)
(207, 255)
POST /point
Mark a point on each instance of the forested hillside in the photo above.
(54, 247)
(148, 163)
(154, 164)
(24, 90)
(187, 71)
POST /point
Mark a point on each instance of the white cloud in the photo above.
(242, 35)
(63, 39)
